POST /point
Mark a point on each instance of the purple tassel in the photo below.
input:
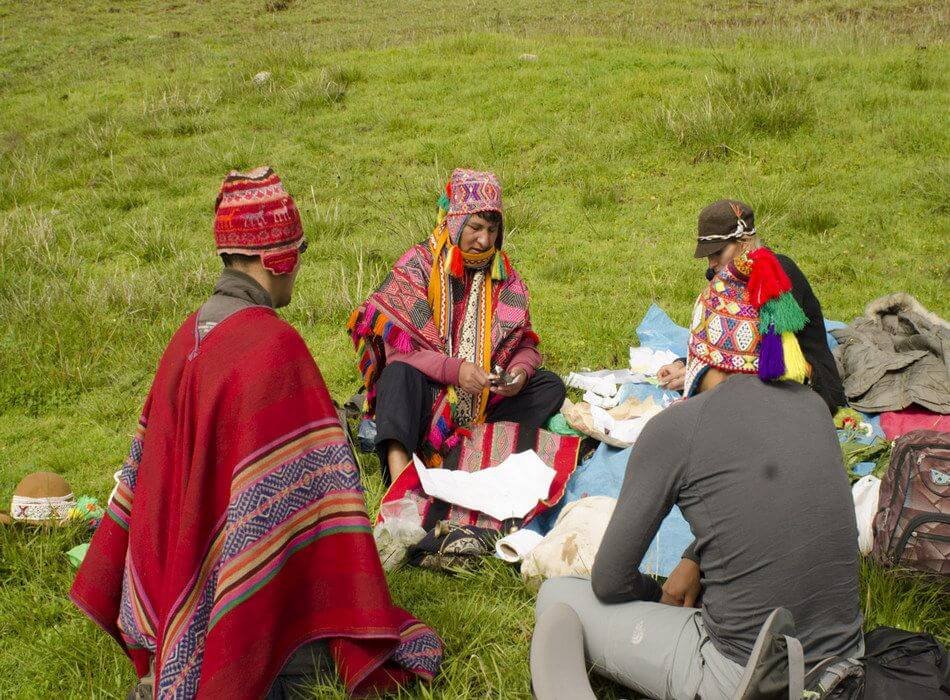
(771, 357)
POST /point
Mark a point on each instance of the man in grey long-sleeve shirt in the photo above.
(756, 469)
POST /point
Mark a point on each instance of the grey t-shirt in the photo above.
(757, 471)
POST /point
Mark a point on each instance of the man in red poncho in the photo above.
(237, 542)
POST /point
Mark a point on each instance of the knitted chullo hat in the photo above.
(746, 321)
(468, 192)
(254, 215)
(721, 222)
(42, 497)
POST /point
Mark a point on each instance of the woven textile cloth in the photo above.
(238, 530)
(724, 332)
(487, 446)
(746, 321)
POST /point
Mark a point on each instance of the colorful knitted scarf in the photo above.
(746, 321)
(437, 297)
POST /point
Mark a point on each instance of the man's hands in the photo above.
(472, 378)
(672, 376)
(520, 379)
(682, 588)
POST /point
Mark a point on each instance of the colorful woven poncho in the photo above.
(473, 306)
(746, 321)
(238, 530)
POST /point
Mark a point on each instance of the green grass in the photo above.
(119, 119)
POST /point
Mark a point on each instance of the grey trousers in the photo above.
(659, 651)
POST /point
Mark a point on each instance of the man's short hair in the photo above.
(238, 259)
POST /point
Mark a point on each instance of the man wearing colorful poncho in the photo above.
(236, 545)
(446, 341)
(726, 229)
(754, 465)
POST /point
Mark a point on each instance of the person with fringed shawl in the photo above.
(446, 340)
(726, 230)
(236, 559)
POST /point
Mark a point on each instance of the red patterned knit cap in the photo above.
(254, 215)
(470, 192)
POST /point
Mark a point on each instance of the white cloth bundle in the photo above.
(569, 549)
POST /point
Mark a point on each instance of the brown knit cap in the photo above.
(722, 222)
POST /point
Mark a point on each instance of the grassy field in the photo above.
(118, 120)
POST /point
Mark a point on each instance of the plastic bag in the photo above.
(865, 493)
(400, 528)
(366, 435)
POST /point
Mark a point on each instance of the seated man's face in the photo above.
(720, 259)
(478, 235)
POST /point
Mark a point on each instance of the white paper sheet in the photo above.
(509, 490)
(592, 381)
(647, 361)
(595, 399)
(624, 430)
(603, 421)
(629, 430)
(601, 387)
(516, 546)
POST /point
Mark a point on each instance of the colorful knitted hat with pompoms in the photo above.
(745, 321)
(468, 192)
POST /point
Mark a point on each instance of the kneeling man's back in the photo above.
(756, 469)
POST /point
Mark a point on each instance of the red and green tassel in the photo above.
(767, 279)
(783, 314)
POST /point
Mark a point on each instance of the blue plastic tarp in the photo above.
(603, 472)
(658, 331)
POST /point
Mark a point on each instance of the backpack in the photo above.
(897, 665)
(900, 665)
(912, 525)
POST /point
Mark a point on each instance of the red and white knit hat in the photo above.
(254, 215)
